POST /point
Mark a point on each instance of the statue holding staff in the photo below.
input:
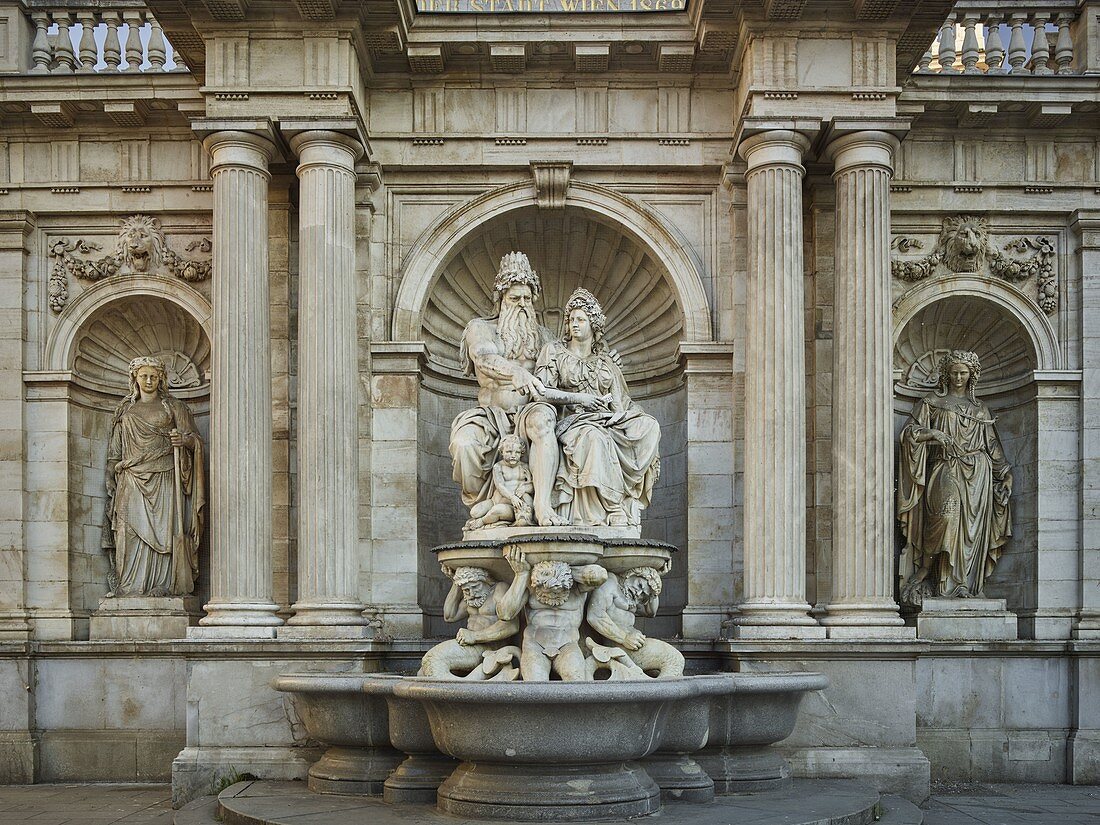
(954, 487)
(156, 491)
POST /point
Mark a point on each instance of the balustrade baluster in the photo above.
(925, 60)
(1040, 46)
(89, 54)
(947, 47)
(112, 49)
(994, 49)
(1063, 49)
(134, 56)
(1017, 49)
(970, 44)
(41, 52)
(158, 49)
(64, 56)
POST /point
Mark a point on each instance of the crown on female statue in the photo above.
(516, 269)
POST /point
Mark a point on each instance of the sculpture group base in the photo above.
(142, 618)
(949, 620)
(803, 802)
(549, 793)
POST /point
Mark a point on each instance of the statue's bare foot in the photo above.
(548, 518)
(474, 524)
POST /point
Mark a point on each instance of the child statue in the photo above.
(511, 497)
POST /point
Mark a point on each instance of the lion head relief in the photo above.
(141, 243)
(964, 243)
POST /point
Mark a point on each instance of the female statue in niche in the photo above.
(609, 446)
(954, 487)
(156, 493)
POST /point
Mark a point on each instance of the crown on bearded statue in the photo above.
(516, 269)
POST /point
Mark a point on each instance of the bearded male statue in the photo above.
(500, 351)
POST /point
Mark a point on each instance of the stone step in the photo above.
(898, 811)
(201, 811)
(802, 802)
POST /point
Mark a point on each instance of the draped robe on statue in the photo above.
(609, 458)
(950, 501)
(149, 557)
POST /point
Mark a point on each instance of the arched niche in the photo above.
(1012, 344)
(87, 359)
(569, 247)
(452, 231)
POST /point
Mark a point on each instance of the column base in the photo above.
(868, 620)
(327, 619)
(242, 615)
(775, 620)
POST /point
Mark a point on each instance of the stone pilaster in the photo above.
(328, 384)
(240, 400)
(712, 568)
(394, 571)
(862, 602)
(775, 405)
(16, 230)
(1086, 227)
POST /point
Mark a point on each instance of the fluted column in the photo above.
(862, 601)
(775, 405)
(328, 383)
(240, 399)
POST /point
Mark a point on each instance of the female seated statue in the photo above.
(953, 488)
(609, 459)
(155, 489)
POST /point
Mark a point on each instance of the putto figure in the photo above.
(509, 499)
(954, 487)
(613, 609)
(156, 493)
(500, 352)
(474, 596)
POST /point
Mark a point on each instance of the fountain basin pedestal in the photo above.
(349, 716)
(528, 752)
(761, 710)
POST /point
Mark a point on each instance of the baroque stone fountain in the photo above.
(551, 704)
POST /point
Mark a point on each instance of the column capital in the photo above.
(324, 147)
(241, 150)
(345, 131)
(774, 147)
(862, 150)
(864, 141)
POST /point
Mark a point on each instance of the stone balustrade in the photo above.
(980, 38)
(79, 40)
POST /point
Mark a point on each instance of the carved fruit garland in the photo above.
(67, 265)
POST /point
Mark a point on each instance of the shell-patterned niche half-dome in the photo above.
(568, 249)
(962, 322)
(142, 325)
